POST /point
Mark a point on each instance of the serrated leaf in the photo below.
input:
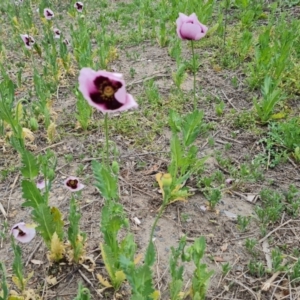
(30, 168)
(57, 248)
(105, 181)
(212, 29)
(103, 281)
(107, 259)
(150, 254)
(46, 226)
(38, 49)
(32, 194)
(174, 121)
(175, 289)
(138, 258)
(17, 267)
(119, 277)
(15, 297)
(155, 295)
(74, 232)
(278, 116)
(58, 221)
(27, 134)
(17, 282)
(19, 111)
(176, 155)
(192, 126)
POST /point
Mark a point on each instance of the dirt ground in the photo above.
(141, 198)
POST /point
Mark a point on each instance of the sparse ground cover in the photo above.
(194, 194)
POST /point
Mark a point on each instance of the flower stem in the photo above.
(194, 73)
(106, 139)
(161, 210)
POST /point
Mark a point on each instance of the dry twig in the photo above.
(244, 286)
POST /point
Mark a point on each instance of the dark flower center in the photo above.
(72, 183)
(21, 232)
(79, 6)
(29, 41)
(106, 90)
(48, 13)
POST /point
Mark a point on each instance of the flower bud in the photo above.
(115, 167)
(166, 180)
(33, 124)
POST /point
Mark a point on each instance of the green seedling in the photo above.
(243, 222)
(219, 108)
(272, 207)
(295, 273)
(256, 268)
(226, 268)
(77, 239)
(277, 260)
(176, 270)
(82, 293)
(184, 161)
(271, 96)
(112, 221)
(201, 276)
(250, 246)
(213, 196)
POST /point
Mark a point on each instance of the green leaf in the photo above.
(175, 121)
(176, 156)
(32, 194)
(110, 265)
(150, 254)
(175, 289)
(58, 221)
(106, 182)
(73, 230)
(3, 284)
(30, 168)
(17, 264)
(83, 293)
(192, 126)
(45, 220)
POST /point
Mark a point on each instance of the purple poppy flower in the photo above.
(56, 33)
(229, 181)
(105, 90)
(189, 27)
(79, 6)
(22, 232)
(28, 40)
(73, 184)
(41, 184)
(48, 13)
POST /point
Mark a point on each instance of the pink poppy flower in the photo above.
(105, 90)
(189, 27)
(66, 42)
(48, 13)
(28, 40)
(22, 232)
(79, 6)
(56, 33)
(73, 184)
